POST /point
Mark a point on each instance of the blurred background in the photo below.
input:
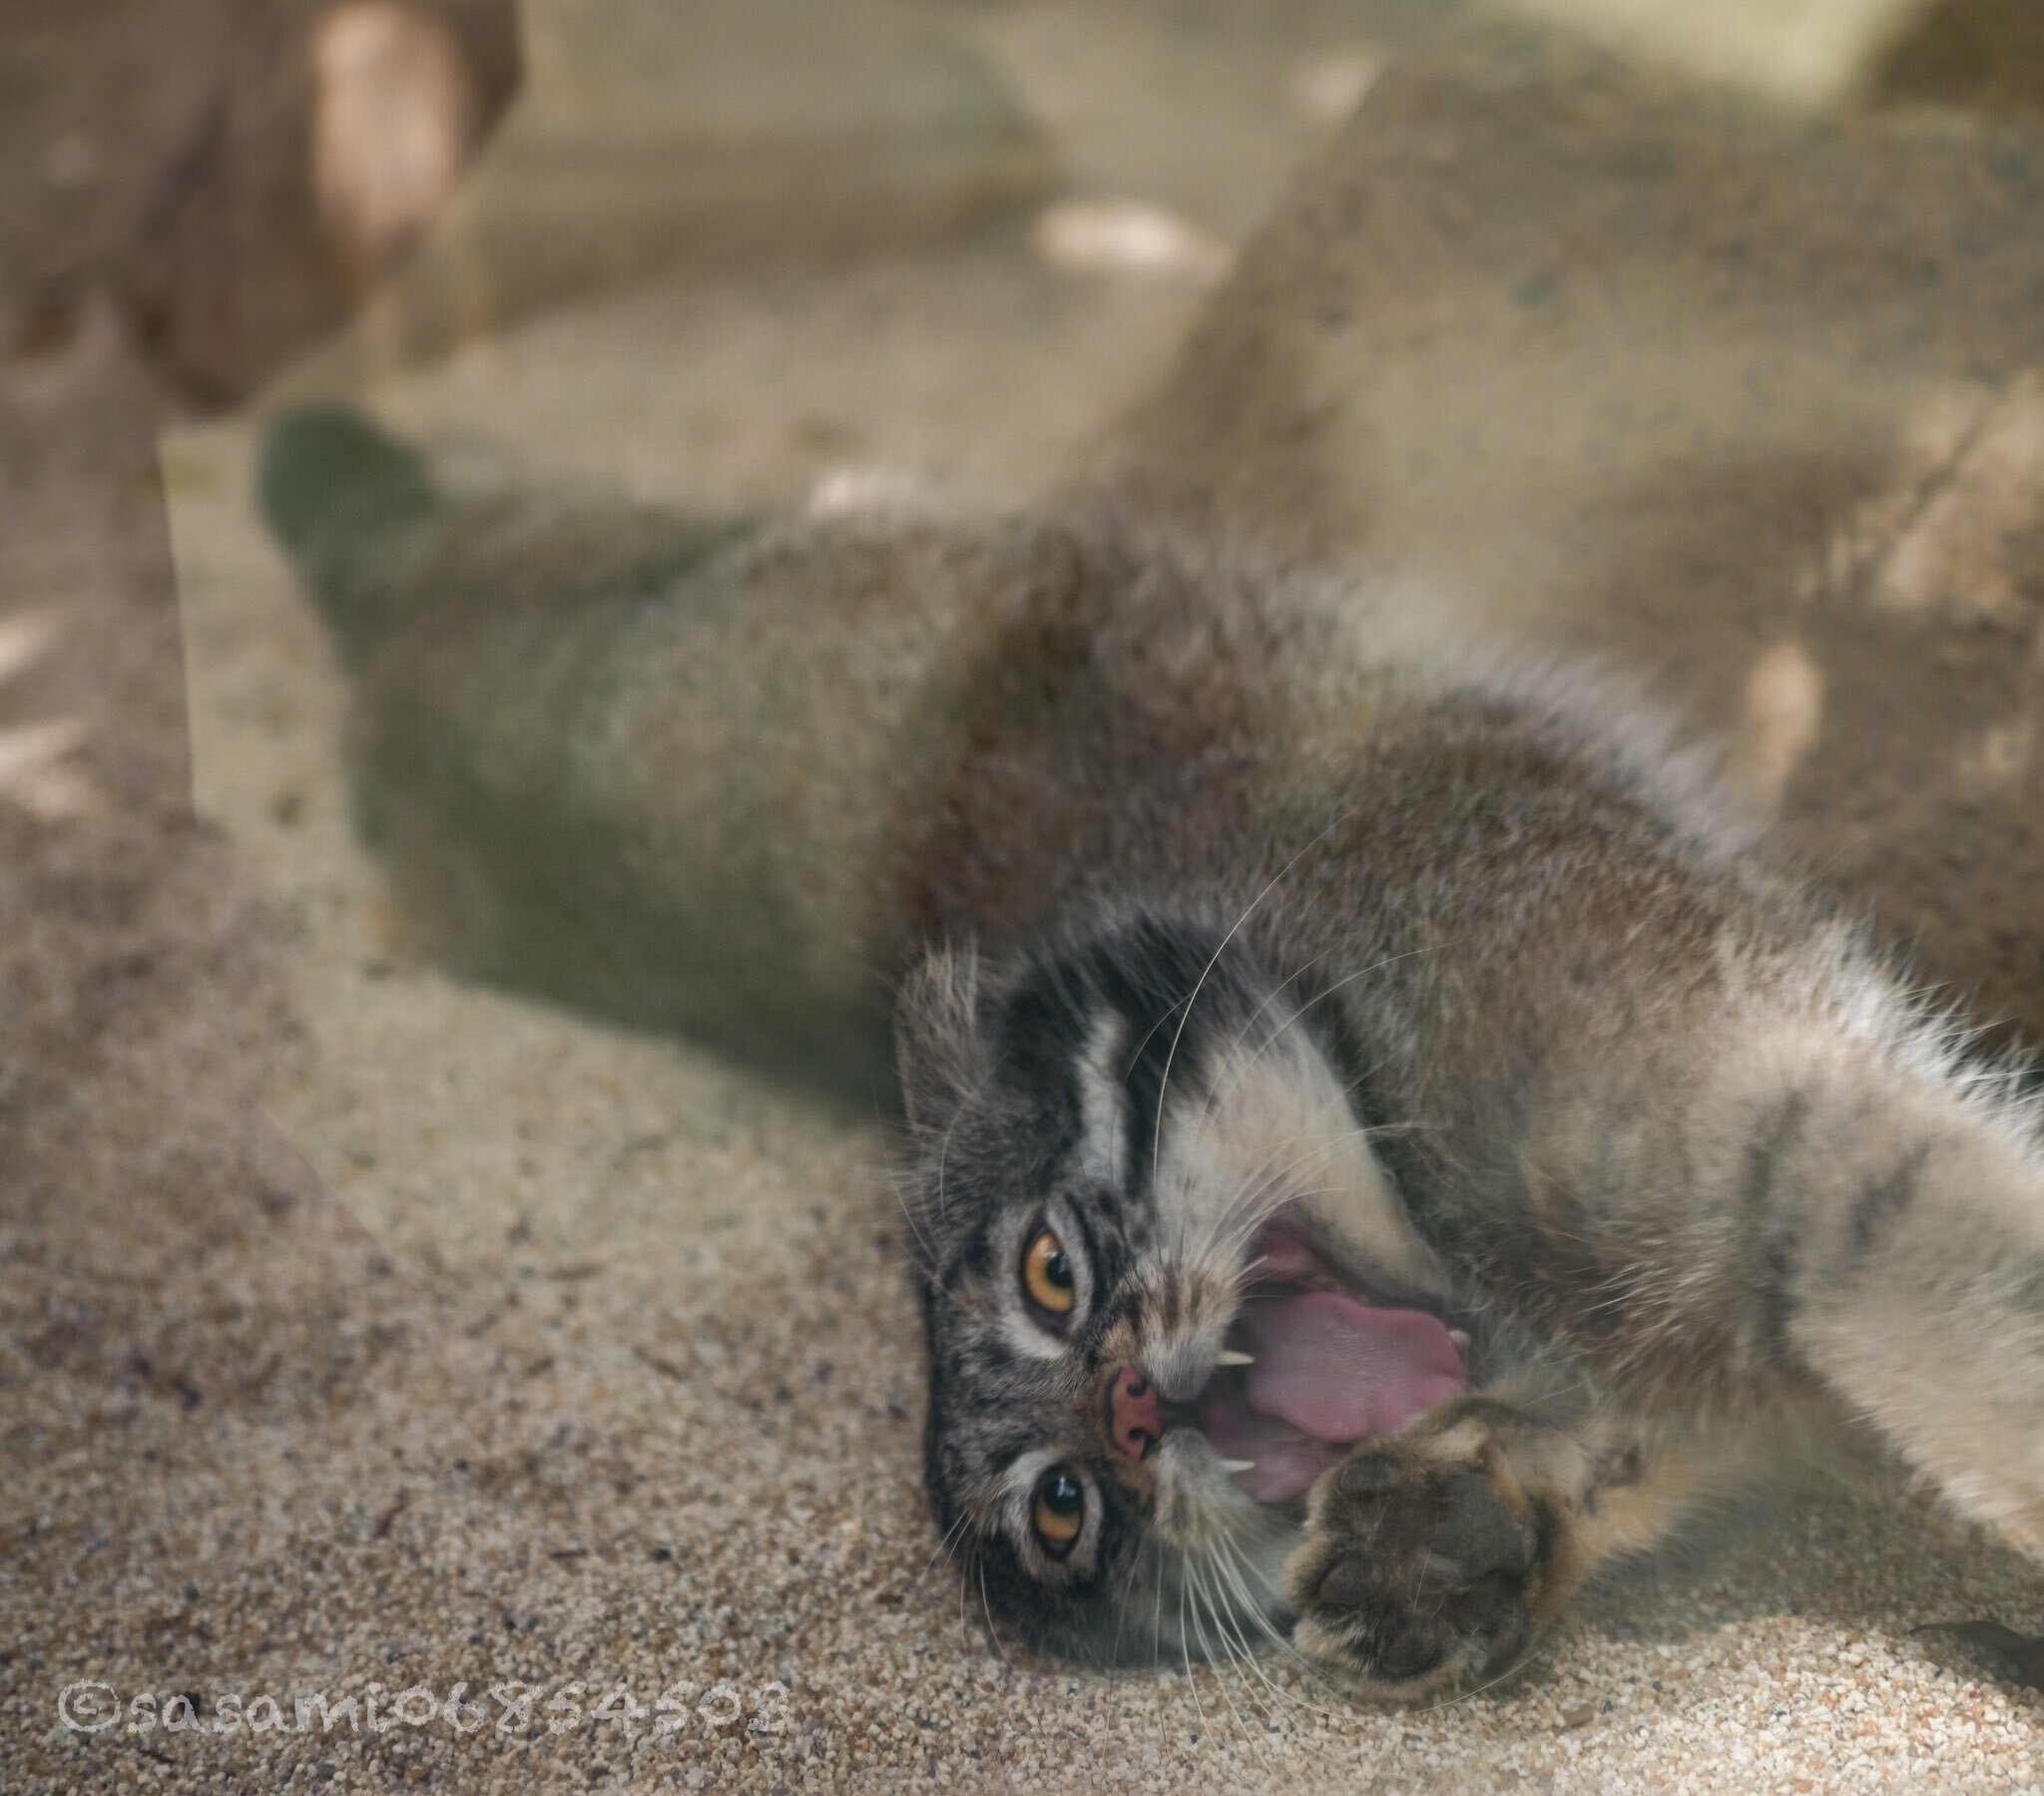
(364, 1324)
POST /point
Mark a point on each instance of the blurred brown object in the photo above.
(696, 140)
(336, 134)
(1987, 55)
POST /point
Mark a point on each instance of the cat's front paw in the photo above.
(1426, 1560)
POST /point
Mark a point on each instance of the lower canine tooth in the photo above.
(1460, 1337)
(1229, 1356)
(1231, 1467)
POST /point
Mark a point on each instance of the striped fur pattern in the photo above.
(1081, 1089)
(1520, 1013)
(1224, 914)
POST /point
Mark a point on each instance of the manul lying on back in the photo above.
(1386, 1138)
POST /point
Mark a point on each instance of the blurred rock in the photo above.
(94, 99)
(1751, 406)
(1987, 55)
(1810, 53)
(335, 135)
(1984, 54)
(726, 135)
(1125, 236)
(1328, 87)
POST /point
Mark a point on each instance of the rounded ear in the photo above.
(938, 1051)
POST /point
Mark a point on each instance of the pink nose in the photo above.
(1134, 1412)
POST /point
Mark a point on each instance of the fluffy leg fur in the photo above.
(1832, 1199)
(1834, 1206)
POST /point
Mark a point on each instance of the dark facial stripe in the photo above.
(1401, 1153)
(1042, 1035)
(1882, 1201)
(1151, 975)
(1144, 1077)
(1765, 1154)
(1144, 973)
(1106, 1260)
(1118, 1010)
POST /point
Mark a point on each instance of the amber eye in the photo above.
(1047, 1274)
(1060, 1512)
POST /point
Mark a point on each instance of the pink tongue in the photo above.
(1335, 1370)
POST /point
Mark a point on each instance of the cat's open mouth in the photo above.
(1328, 1365)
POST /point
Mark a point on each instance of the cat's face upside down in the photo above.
(1166, 1286)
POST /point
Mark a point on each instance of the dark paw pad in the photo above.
(1425, 1574)
(1478, 1535)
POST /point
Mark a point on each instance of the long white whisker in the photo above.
(1252, 1193)
(1232, 1637)
(1121, 1609)
(1241, 1034)
(987, 1609)
(950, 1128)
(1338, 1098)
(1489, 1684)
(1227, 1237)
(929, 1259)
(1316, 1673)
(944, 1546)
(1200, 984)
(964, 1588)
(1156, 1621)
(1242, 1071)
(1224, 1242)
(1184, 1646)
(1207, 1651)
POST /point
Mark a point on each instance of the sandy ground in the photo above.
(371, 1335)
